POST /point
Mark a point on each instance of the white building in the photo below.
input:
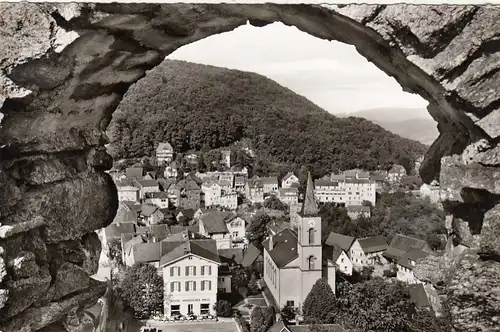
(226, 157)
(350, 188)
(171, 171)
(213, 192)
(127, 191)
(147, 186)
(164, 153)
(368, 251)
(254, 190)
(229, 201)
(406, 264)
(338, 247)
(293, 262)
(341, 261)
(190, 276)
(289, 180)
(214, 225)
(158, 199)
(355, 211)
(269, 184)
(289, 196)
(432, 191)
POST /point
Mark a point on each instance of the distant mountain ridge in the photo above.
(412, 123)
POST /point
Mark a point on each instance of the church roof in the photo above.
(284, 247)
(309, 207)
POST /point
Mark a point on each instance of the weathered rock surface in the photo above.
(59, 101)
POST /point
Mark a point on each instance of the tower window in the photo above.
(311, 262)
(311, 235)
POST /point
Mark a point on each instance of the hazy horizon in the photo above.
(333, 75)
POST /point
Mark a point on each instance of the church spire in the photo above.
(309, 207)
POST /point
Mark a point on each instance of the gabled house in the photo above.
(189, 194)
(407, 263)
(356, 211)
(368, 251)
(236, 226)
(127, 191)
(255, 190)
(270, 185)
(280, 326)
(239, 183)
(134, 173)
(401, 244)
(213, 225)
(337, 248)
(432, 191)
(213, 193)
(190, 269)
(158, 199)
(164, 153)
(171, 171)
(186, 213)
(147, 186)
(289, 179)
(114, 231)
(252, 257)
(150, 215)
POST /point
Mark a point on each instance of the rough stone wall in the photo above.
(58, 100)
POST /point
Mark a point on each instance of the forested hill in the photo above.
(199, 107)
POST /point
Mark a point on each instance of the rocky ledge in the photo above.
(66, 67)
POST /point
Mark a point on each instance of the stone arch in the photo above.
(52, 140)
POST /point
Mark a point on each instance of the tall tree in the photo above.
(257, 231)
(142, 289)
(269, 317)
(319, 303)
(257, 320)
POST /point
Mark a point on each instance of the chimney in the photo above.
(271, 244)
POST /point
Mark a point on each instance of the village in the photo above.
(193, 229)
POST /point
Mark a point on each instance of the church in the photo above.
(293, 262)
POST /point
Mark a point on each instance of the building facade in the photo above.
(164, 153)
(289, 180)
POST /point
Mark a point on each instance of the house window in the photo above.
(311, 235)
(205, 308)
(235, 234)
(311, 262)
(190, 270)
(190, 286)
(290, 303)
(342, 260)
(175, 286)
(206, 285)
(175, 271)
(221, 279)
(175, 309)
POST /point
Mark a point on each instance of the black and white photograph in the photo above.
(249, 167)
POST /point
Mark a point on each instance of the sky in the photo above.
(330, 74)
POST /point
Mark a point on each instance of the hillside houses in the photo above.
(227, 228)
(290, 180)
(396, 173)
(127, 191)
(368, 251)
(289, 196)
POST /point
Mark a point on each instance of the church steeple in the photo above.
(309, 207)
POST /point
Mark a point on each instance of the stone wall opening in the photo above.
(60, 101)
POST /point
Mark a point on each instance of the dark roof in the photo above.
(231, 256)
(146, 252)
(376, 177)
(215, 221)
(165, 183)
(125, 183)
(114, 231)
(203, 248)
(412, 255)
(418, 295)
(344, 242)
(287, 176)
(250, 255)
(164, 146)
(188, 184)
(159, 194)
(269, 180)
(133, 206)
(325, 183)
(159, 232)
(373, 244)
(279, 326)
(397, 169)
(134, 172)
(147, 183)
(309, 207)
(276, 226)
(336, 252)
(188, 213)
(358, 208)
(284, 247)
(406, 243)
(224, 269)
(148, 209)
(324, 327)
(393, 253)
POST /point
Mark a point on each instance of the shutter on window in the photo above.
(172, 271)
(203, 270)
(194, 285)
(203, 285)
(209, 285)
(171, 287)
(209, 270)
(179, 272)
(187, 286)
(194, 270)
(187, 270)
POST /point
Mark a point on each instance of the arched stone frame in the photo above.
(75, 92)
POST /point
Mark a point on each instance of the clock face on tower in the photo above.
(311, 223)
